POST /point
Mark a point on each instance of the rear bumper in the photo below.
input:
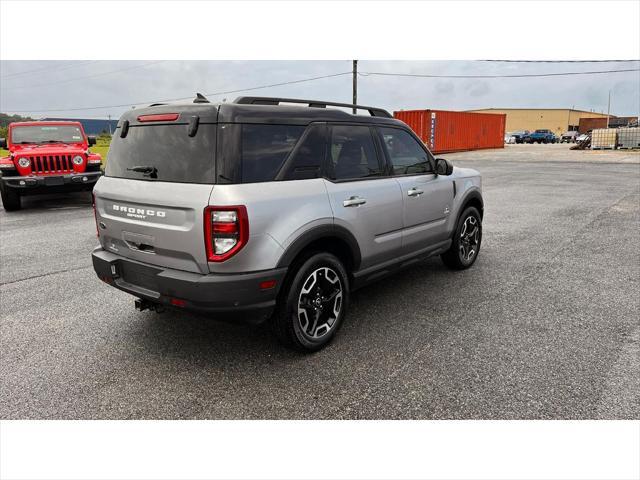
(47, 183)
(229, 294)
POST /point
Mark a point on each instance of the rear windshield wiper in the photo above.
(146, 170)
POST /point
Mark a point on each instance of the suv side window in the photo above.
(307, 157)
(352, 153)
(406, 155)
(264, 149)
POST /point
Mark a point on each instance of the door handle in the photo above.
(140, 247)
(354, 201)
(414, 192)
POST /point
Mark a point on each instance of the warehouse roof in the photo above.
(537, 108)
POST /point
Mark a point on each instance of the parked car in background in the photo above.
(254, 207)
(582, 137)
(569, 137)
(519, 135)
(509, 138)
(541, 136)
(46, 157)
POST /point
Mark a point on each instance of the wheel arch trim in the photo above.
(317, 233)
(473, 194)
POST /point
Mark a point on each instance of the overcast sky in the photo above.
(32, 87)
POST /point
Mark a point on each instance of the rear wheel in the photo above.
(313, 304)
(466, 241)
(10, 199)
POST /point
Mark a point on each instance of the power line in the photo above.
(69, 80)
(52, 68)
(182, 98)
(278, 84)
(560, 61)
(523, 75)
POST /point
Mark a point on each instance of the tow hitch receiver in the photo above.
(142, 305)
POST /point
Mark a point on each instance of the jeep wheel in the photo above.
(466, 241)
(313, 304)
(10, 199)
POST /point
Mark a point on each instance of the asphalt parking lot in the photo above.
(545, 325)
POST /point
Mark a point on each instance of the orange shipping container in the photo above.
(444, 131)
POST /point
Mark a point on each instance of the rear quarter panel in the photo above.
(279, 213)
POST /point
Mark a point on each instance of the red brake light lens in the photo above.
(226, 231)
(178, 302)
(267, 284)
(159, 117)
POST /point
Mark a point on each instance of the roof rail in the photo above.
(373, 111)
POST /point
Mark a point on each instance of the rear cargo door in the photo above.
(150, 203)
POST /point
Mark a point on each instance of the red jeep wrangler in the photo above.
(46, 157)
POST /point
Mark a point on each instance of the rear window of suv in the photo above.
(175, 156)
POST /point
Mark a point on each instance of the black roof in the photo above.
(265, 110)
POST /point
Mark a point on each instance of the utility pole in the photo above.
(355, 85)
(109, 116)
(608, 108)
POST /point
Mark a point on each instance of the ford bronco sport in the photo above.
(46, 157)
(273, 206)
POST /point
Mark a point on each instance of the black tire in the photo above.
(295, 329)
(457, 257)
(10, 200)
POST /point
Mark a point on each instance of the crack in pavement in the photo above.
(46, 275)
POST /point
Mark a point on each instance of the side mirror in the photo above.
(91, 141)
(3, 143)
(443, 167)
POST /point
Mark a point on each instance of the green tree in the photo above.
(6, 119)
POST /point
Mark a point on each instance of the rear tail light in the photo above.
(226, 231)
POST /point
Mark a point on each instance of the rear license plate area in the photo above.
(139, 275)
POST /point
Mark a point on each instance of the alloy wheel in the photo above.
(469, 238)
(320, 302)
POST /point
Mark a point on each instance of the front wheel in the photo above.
(466, 241)
(10, 199)
(313, 305)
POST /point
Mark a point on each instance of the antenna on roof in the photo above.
(200, 99)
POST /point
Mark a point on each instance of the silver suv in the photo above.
(271, 208)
